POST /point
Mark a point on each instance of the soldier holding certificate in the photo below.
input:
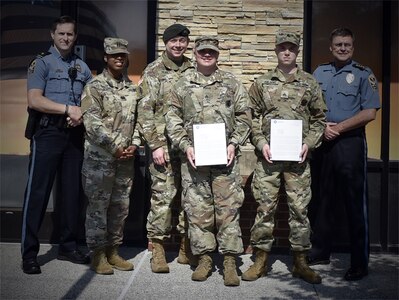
(212, 194)
(286, 93)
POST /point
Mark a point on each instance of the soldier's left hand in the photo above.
(304, 153)
(231, 153)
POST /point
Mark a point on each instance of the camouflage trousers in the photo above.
(265, 188)
(165, 186)
(107, 186)
(212, 197)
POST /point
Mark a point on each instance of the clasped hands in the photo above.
(125, 153)
(74, 117)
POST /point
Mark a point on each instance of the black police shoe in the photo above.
(75, 257)
(355, 273)
(312, 261)
(31, 266)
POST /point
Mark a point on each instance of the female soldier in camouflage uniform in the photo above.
(109, 114)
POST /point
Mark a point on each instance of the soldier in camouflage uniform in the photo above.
(157, 80)
(109, 113)
(292, 94)
(212, 195)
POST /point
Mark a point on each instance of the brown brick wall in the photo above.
(246, 30)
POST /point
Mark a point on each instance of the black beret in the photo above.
(173, 31)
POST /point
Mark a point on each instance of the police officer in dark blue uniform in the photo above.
(352, 99)
(55, 84)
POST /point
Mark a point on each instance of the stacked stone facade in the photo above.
(246, 30)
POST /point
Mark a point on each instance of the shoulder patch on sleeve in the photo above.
(373, 82)
(32, 64)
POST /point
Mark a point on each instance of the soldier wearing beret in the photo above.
(340, 165)
(292, 94)
(157, 79)
(109, 106)
(212, 195)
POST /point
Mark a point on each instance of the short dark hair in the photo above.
(341, 32)
(64, 20)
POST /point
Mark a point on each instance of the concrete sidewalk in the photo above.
(63, 280)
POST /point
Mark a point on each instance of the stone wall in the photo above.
(246, 30)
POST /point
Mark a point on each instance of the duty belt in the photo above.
(58, 121)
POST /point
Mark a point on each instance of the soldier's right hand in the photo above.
(191, 156)
(267, 154)
(158, 156)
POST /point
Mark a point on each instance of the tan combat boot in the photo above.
(99, 263)
(158, 260)
(259, 268)
(204, 268)
(302, 270)
(186, 257)
(230, 271)
(116, 261)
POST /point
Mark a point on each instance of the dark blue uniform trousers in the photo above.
(340, 170)
(53, 150)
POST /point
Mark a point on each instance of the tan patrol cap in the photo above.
(207, 42)
(115, 45)
(288, 37)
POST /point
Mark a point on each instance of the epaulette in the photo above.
(42, 54)
(359, 66)
(324, 64)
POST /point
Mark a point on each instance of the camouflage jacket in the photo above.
(109, 114)
(196, 99)
(299, 98)
(157, 80)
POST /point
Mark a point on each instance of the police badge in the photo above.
(350, 78)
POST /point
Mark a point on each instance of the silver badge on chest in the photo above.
(350, 78)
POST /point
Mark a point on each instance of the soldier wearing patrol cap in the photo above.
(212, 194)
(157, 79)
(291, 94)
(340, 165)
(55, 83)
(109, 105)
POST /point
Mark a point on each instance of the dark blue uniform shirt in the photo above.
(348, 90)
(50, 74)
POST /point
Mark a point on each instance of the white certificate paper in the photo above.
(286, 139)
(210, 144)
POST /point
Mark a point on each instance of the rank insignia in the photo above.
(78, 68)
(284, 94)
